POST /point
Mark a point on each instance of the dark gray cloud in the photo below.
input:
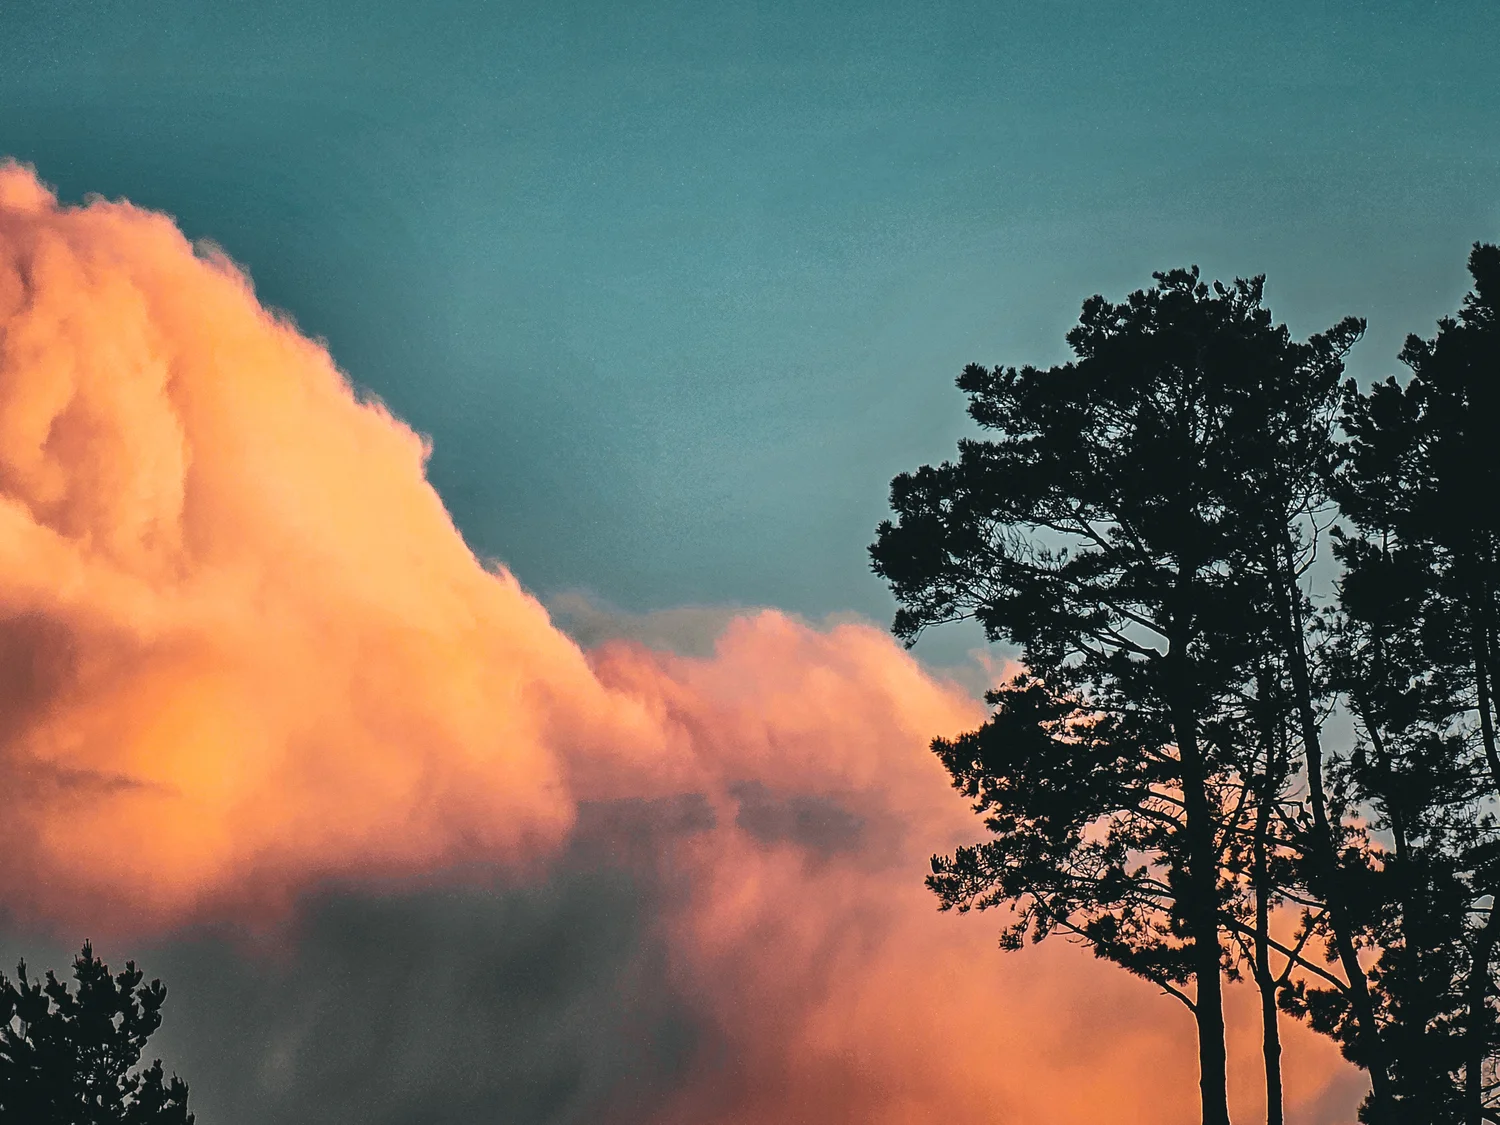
(814, 822)
(487, 1000)
(473, 997)
(542, 1005)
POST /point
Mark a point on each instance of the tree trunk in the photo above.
(1480, 642)
(1324, 851)
(1478, 987)
(1202, 909)
(1270, 1041)
(1213, 1078)
(1477, 1017)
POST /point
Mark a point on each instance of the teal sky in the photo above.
(676, 288)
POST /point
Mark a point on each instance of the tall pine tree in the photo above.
(1417, 641)
(1121, 528)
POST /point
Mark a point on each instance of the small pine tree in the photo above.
(71, 1058)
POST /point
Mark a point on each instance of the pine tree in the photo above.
(1417, 641)
(72, 1058)
(1130, 529)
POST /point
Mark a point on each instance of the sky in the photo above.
(656, 299)
(676, 289)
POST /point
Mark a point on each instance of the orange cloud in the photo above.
(241, 632)
(843, 995)
(244, 650)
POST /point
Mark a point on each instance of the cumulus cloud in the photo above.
(243, 640)
(266, 711)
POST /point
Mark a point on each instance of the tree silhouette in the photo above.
(71, 1058)
(1281, 432)
(1132, 529)
(1417, 645)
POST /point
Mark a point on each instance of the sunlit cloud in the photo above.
(246, 654)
